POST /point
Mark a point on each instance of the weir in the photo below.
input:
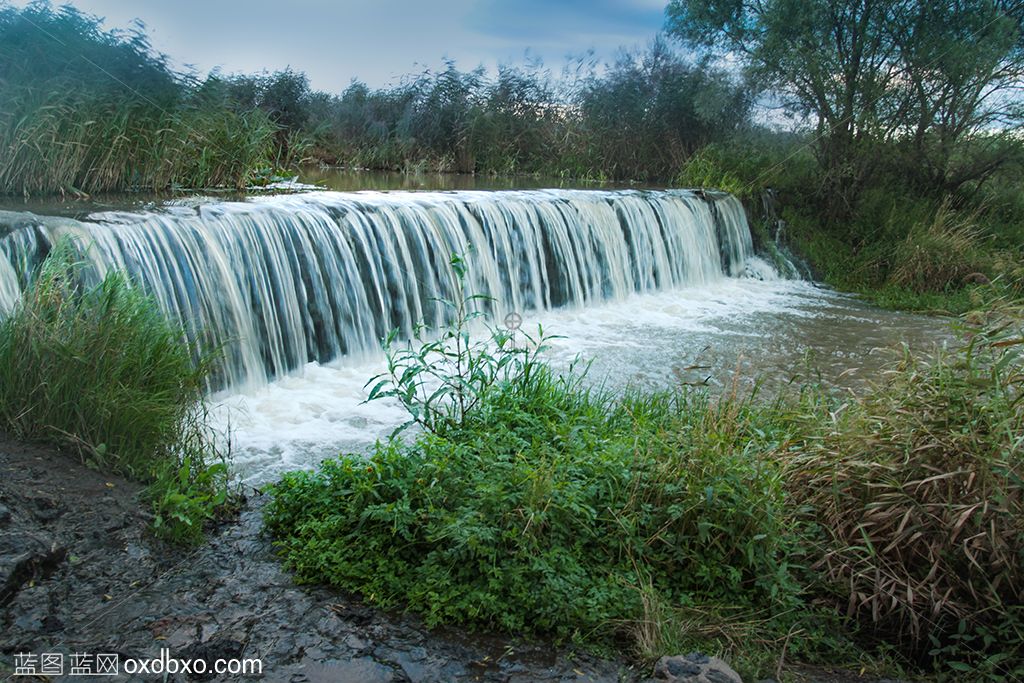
(287, 280)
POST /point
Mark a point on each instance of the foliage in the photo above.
(441, 381)
(188, 494)
(703, 170)
(99, 370)
(651, 111)
(639, 119)
(529, 503)
(918, 490)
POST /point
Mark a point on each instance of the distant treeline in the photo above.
(87, 110)
(638, 119)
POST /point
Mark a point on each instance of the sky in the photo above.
(381, 40)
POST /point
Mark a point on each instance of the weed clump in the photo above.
(918, 489)
(100, 371)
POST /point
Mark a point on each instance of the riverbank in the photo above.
(80, 573)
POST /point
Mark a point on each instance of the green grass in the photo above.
(98, 370)
(766, 529)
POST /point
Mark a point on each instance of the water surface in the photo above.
(739, 330)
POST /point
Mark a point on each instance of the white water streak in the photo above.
(284, 281)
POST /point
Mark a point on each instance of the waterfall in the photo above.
(282, 281)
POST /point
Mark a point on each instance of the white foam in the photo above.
(299, 420)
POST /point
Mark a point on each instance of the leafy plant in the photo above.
(188, 496)
(441, 379)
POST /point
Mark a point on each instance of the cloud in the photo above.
(378, 42)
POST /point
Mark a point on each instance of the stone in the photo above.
(360, 670)
(26, 557)
(694, 668)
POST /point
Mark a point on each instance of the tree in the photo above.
(964, 62)
(652, 109)
(928, 75)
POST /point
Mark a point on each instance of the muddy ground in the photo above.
(79, 574)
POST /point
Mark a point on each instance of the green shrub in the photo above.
(100, 371)
(528, 503)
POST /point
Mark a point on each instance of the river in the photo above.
(650, 288)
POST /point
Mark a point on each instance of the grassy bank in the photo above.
(883, 530)
(98, 371)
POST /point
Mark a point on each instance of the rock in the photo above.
(976, 279)
(5, 515)
(26, 557)
(694, 668)
(211, 651)
(362, 670)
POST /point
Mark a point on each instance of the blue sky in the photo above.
(381, 40)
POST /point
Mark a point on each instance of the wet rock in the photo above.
(361, 670)
(26, 556)
(46, 508)
(694, 668)
(210, 652)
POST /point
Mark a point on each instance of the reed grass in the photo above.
(918, 490)
(85, 110)
(56, 145)
(98, 371)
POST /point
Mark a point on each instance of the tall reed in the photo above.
(98, 370)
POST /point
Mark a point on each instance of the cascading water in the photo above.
(287, 280)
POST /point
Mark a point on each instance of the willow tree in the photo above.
(927, 76)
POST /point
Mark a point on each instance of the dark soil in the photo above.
(80, 574)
